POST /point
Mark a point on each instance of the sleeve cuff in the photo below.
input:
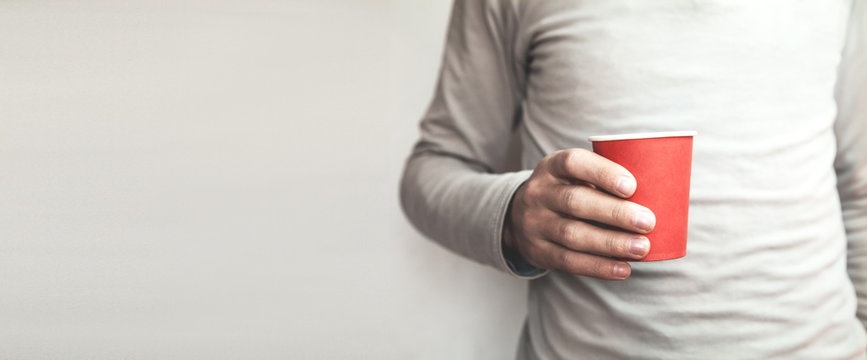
(517, 266)
(522, 269)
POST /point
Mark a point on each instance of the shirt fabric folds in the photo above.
(776, 265)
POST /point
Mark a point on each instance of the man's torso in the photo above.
(765, 271)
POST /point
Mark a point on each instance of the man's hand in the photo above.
(552, 215)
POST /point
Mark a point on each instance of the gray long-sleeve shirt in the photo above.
(777, 251)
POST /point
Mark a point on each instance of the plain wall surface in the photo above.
(219, 180)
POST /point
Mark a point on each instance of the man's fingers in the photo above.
(590, 204)
(585, 165)
(561, 258)
(580, 236)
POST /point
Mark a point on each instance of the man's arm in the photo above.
(454, 189)
(851, 161)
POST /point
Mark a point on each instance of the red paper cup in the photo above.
(661, 163)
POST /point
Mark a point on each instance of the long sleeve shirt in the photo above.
(776, 263)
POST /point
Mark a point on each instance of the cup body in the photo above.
(661, 164)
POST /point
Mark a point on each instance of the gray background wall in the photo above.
(218, 180)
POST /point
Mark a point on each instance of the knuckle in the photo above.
(620, 213)
(602, 269)
(607, 177)
(601, 175)
(569, 232)
(589, 267)
(570, 198)
(551, 160)
(613, 244)
(532, 191)
(567, 262)
(571, 157)
(556, 154)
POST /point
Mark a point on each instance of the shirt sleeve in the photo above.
(851, 161)
(455, 188)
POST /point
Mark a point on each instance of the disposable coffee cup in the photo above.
(661, 163)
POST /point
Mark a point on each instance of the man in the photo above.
(777, 253)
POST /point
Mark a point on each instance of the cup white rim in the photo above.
(647, 135)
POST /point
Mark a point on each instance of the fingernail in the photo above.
(639, 246)
(645, 220)
(626, 185)
(621, 270)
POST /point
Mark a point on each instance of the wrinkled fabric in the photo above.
(776, 266)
